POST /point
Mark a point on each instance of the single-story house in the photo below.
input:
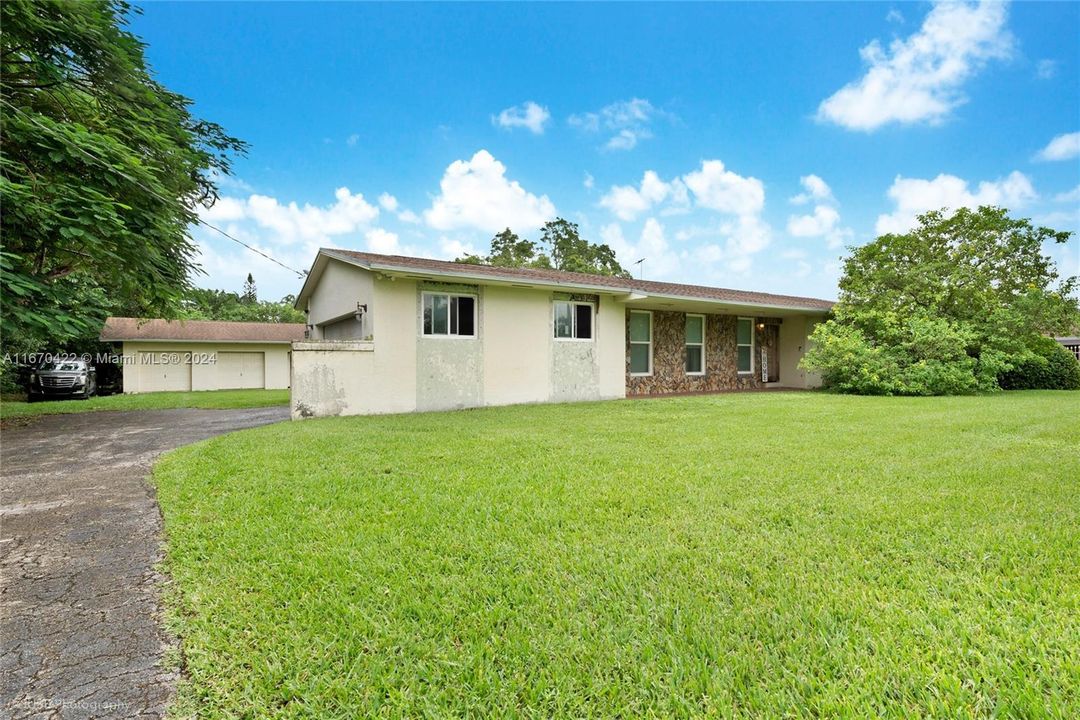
(202, 354)
(387, 333)
(1072, 344)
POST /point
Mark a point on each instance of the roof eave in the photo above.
(197, 340)
(464, 274)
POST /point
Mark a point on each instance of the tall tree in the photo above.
(250, 295)
(569, 251)
(561, 247)
(203, 304)
(102, 172)
(946, 307)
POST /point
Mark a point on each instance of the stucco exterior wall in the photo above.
(611, 350)
(516, 346)
(203, 363)
(339, 290)
(514, 357)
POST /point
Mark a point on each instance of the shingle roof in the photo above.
(573, 279)
(124, 328)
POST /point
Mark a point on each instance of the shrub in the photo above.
(1047, 366)
(919, 356)
(848, 362)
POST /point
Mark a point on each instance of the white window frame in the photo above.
(738, 345)
(449, 336)
(573, 321)
(650, 343)
(690, 344)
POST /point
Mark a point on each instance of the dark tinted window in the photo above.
(466, 315)
(583, 321)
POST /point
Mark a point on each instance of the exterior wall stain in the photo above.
(321, 394)
(575, 371)
(669, 356)
(449, 370)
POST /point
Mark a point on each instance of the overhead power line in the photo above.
(151, 191)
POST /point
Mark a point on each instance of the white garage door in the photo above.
(240, 370)
(162, 371)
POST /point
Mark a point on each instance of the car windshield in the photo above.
(69, 365)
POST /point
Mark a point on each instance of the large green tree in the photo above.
(102, 172)
(203, 304)
(945, 308)
(560, 247)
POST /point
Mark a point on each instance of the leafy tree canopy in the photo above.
(945, 308)
(560, 247)
(202, 304)
(102, 172)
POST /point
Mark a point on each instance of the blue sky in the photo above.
(739, 145)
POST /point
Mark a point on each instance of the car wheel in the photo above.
(31, 398)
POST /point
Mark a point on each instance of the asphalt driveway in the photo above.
(80, 534)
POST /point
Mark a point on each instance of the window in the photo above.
(695, 344)
(640, 342)
(744, 345)
(573, 320)
(449, 315)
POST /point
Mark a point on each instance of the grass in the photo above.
(212, 399)
(736, 555)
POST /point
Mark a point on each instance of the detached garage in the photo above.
(177, 355)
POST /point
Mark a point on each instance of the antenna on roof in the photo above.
(641, 268)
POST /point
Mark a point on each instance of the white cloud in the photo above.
(229, 182)
(528, 115)
(476, 194)
(919, 79)
(388, 202)
(913, 196)
(814, 189)
(719, 189)
(823, 222)
(628, 202)
(1069, 196)
(382, 241)
(589, 181)
(225, 209)
(293, 223)
(661, 260)
(711, 186)
(732, 242)
(628, 121)
(352, 140)
(1046, 69)
(895, 16)
(453, 248)
(1062, 147)
(1059, 219)
(817, 224)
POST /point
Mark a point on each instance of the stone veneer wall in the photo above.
(669, 365)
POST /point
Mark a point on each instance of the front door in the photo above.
(770, 354)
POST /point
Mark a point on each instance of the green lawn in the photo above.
(213, 399)
(753, 555)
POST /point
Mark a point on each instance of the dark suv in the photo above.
(61, 379)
